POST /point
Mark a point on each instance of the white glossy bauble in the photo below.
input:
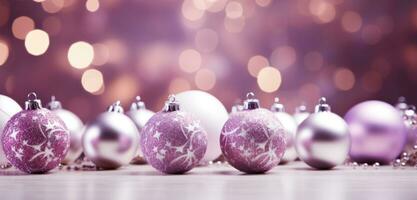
(212, 115)
(75, 127)
(8, 108)
(290, 128)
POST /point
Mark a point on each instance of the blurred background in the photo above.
(90, 53)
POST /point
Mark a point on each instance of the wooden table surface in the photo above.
(218, 181)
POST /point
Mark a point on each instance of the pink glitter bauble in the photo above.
(253, 141)
(173, 141)
(35, 141)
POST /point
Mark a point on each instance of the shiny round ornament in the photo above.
(300, 114)
(35, 140)
(410, 122)
(212, 115)
(140, 116)
(112, 140)
(290, 129)
(253, 140)
(322, 140)
(75, 127)
(401, 105)
(377, 131)
(173, 141)
(8, 108)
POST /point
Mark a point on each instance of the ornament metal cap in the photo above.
(401, 104)
(171, 105)
(33, 102)
(322, 106)
(54, 104)
(277, 106)
(138, 104)
(250, 103)
(115, 107)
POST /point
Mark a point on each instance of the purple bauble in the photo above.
(35, 140)
(377, 132)
(173, 141)
(253, 140)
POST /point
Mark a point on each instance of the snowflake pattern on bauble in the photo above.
(253, 141)
(35, 141)
(173, 142)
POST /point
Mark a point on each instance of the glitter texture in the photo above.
(173, 142)
(253, 141)
(35, 141)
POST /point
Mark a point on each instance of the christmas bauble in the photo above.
(140, 116)
(35, 140)
(290, 129)
(173, 141)
(377, 132)
(112, 140)
(8, 108)
(322, 140)
(300, 114)
(75, 127)
(410, 122)
(212, 115)
(253, 140)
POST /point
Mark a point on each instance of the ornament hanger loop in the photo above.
(138, 104)
(250, 95)
(276, 99)
(322, 100)
(54, 104)
(171, 98)
(32, 96)
(53, 98)
(138, 98)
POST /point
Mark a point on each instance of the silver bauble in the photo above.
(410, 122)
(75, 127)
(290, 128)
(8, 108)
(300, 114)
(322, 140)
(112, 140)
(140, 116)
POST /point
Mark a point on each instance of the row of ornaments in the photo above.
(174, 141)
(36, 140)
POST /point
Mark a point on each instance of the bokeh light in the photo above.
(190, 60)
(205, 79)
(37, 42)
(256, 63)
(21, 26)
(234, 10)
(323, 10)
(351, 21)
(4, 52)
(101, 54)
(283, 57)
(206, 40)
(190, 12)
(80, 54)
(344, 79)
(52, 6)
(269, 79)
(263, 3)
(92, 5)
(92, 81)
